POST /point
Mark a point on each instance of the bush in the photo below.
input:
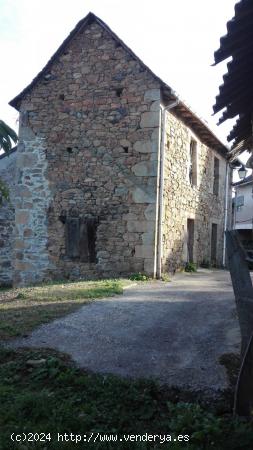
(139, 277)
(165, 277)
(190, 267)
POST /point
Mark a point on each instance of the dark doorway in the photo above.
(214, 244)
(190, 239)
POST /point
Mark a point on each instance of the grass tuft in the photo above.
(25, 308)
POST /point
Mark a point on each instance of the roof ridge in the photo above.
(89, 18)
(168, 92)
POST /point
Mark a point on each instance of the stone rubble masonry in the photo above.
(182, 201)
(7, 220)
(32, 199)
(89, 148)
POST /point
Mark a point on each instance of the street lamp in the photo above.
(242, 172)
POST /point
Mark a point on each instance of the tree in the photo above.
(7, 136)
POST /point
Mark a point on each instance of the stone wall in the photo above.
(7, 222)
(32, 199)
(87, 179)
(88, 150)
(183, 201)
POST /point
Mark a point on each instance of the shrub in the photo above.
(138, 277)
(165, 277)
(190, 267)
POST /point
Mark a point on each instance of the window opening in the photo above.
(193, 163)
(216, 173)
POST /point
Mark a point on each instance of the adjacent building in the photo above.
(113, 173)
(243, 211)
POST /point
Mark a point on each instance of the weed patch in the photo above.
(21, 310)
(190, 267)
(43, 392)
(139, 277)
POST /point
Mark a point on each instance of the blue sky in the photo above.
(175, 38)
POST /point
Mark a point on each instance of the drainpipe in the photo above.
(226, 216)
(161, 186)
(235, 209)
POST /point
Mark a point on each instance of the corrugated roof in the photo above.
(236, 92)
(182, 110)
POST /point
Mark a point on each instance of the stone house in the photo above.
(113, 173)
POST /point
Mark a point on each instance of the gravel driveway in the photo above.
(174, 332)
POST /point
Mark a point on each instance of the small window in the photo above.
(214, 241)
(216, 175)
(81, 239)
(193, 163)
(190, 240)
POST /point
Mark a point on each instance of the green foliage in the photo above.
(139, 277)
(7, 135)
(208, 430)
(71, 290)
(190, 267)
(165, 277)
(42, 392)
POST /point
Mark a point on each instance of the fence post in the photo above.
(243, 291)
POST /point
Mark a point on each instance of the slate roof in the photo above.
(236, 92)
(181, 110)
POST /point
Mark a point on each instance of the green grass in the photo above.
(41, 391)
(139, 277)
(23, 309)
(53, 396)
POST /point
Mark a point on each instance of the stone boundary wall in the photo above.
(7, 219)
(183, 201)
(32, 199)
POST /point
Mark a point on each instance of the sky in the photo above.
(175, 38)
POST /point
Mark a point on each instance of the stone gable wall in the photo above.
(7, 219)
(182, 201)
(89, 151)
(89, 148)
